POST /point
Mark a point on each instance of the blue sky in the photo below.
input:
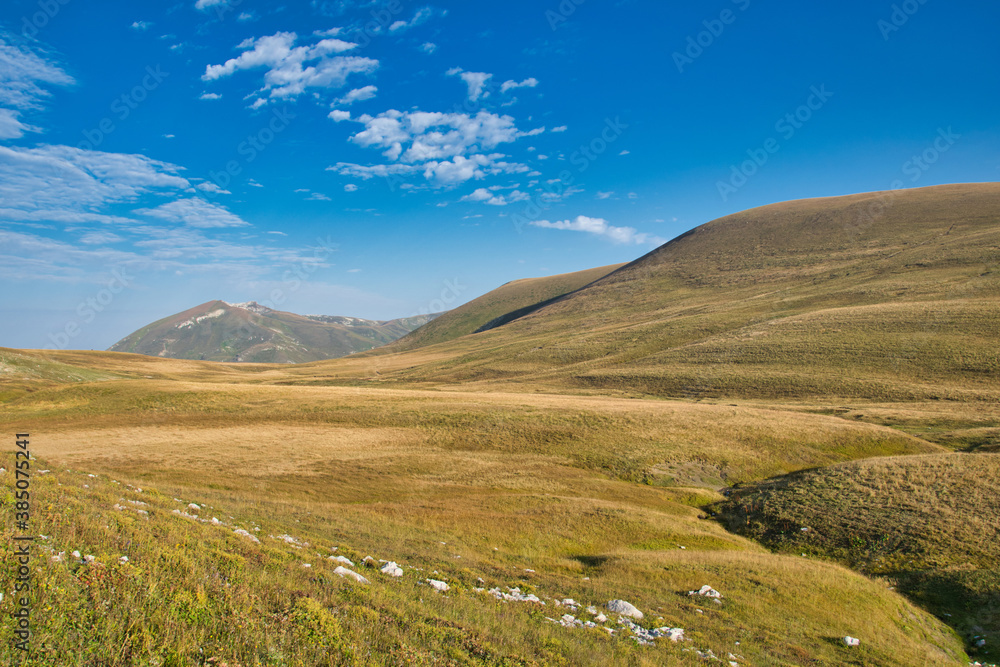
(381, 159)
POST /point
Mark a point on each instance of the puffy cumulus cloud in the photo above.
(208, 4)
(416, 136)
(194, 212)
(487, 197)
(338, 115)
(22, 76)
(447, 148)
(291, 70)
(527, 83)
(358, 95)
(428, 47)
(350, 187)
(476, 82)
(600, 227)
(210, 96)
(142, 26)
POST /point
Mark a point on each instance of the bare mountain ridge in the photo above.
(250, 332)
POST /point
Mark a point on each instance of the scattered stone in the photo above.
(123, 560)
(438, 585)
(76, 554)
(192, 506)
(392, 569)
(344, 572)
(706, 591)
(243, 533)
(851, 641)
(601, 618)
(341, 559)
(624, 608)
(515, 595)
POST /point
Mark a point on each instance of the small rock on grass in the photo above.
(624, 608)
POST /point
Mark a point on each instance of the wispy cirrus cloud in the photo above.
(23, 73)
(601, 227)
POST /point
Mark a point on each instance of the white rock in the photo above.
(344, 572)
(851, 641)
(123, 560)
(438, 585)
(76, 554)
(624, 608)
(706, 591)
(341, 559)
(192, 506)
(243, 533)
(392, 569)
(601, 618)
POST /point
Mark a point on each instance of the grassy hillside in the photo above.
(930, 524)
(219, 331)
(515, 297)
(806, 298)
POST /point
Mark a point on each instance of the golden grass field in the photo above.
(578, 451)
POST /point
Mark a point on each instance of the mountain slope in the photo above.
(912, 518)
(518, 296)
(219, 331)
(882, 295)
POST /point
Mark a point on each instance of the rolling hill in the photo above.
(507, 302)
(888, 296)
(250, 332)
(930, 524)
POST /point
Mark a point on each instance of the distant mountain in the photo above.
(250, 332)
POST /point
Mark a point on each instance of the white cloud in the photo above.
(291, 69)
(317, 196)
(423, 15)
(67, 178)
(350, 187)
(209, 186)
(244, 17)
(475, 81)
(210, 96)
(358, 95)
(604, 195)
(428, 47)
(487, 197)
(208, 4)
(561, 128)
(100, 237)
(338, 115)
(194, 212)
(625, 152)
(416, 136)
(527, 83)
(169, 136)
(21, 73)
(254, 183)
(142, 26)
(600, 227)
